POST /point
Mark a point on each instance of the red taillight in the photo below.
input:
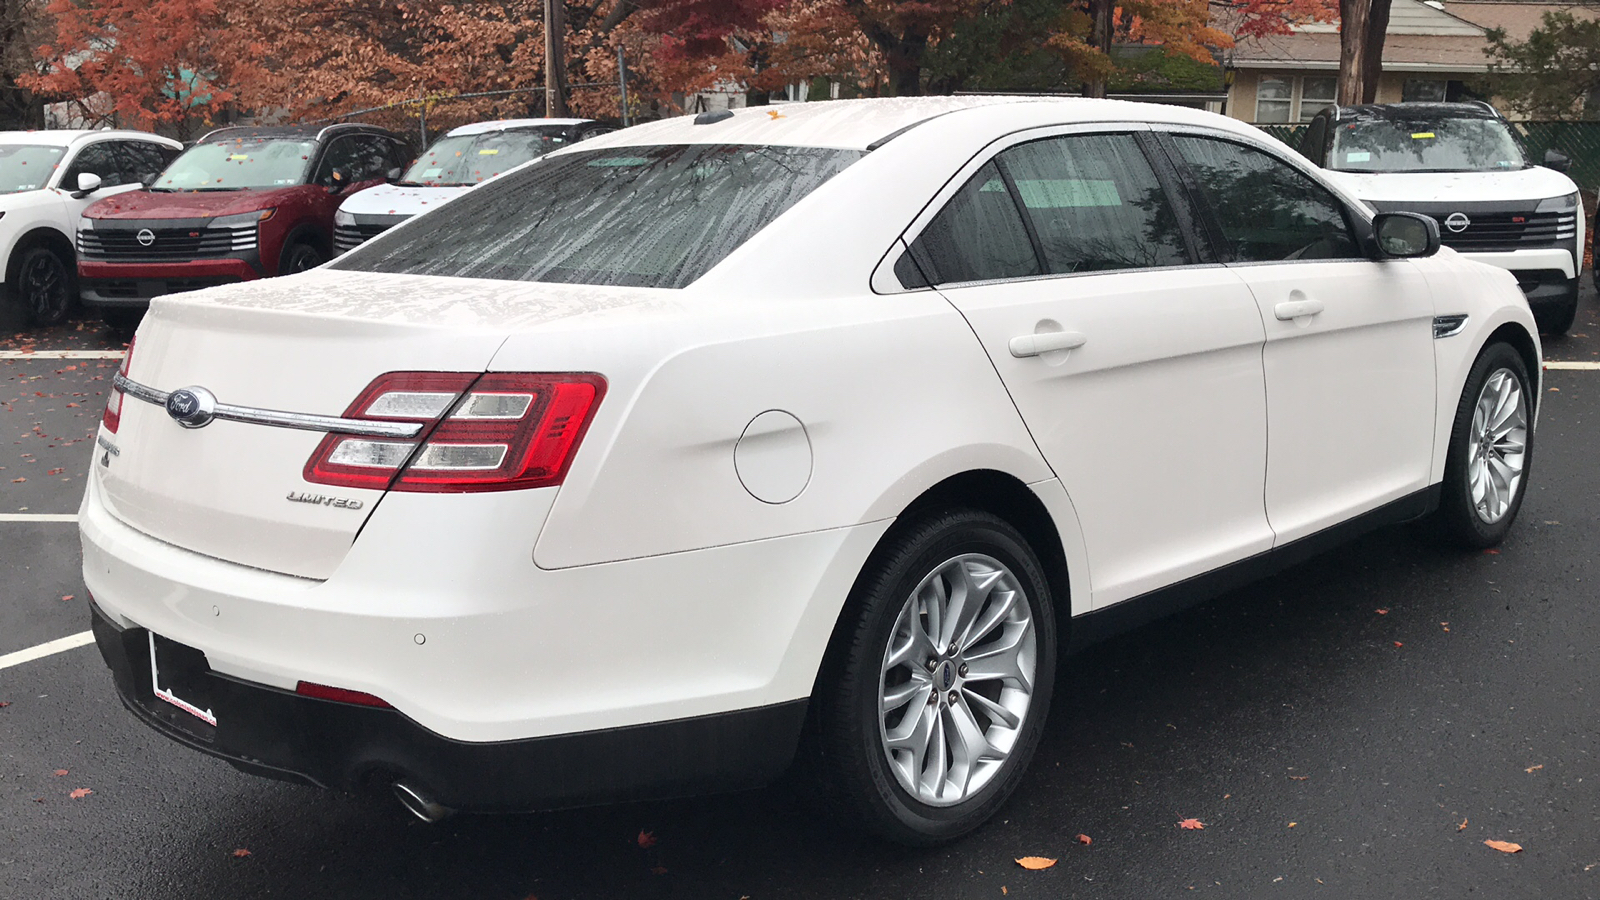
(495, 432)
(338, 695)
(113, 413)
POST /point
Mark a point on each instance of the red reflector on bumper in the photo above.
(338, 695)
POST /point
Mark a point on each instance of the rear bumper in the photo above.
(279, 734)
(134, 284)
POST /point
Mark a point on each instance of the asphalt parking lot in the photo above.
(1355, 727)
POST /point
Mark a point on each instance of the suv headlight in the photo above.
(343, 218)
(1558, 204)
(243, 219)
(85, 223)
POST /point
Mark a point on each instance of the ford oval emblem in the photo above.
(145, 237)
(1457, 222)
(192, 407)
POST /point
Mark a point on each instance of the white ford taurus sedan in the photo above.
(822, 430)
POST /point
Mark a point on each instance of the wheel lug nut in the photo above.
(963, 670)
(952, 650)
(953, 696)
(932, 664)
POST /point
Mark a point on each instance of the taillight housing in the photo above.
(499, 431)
(113, 414)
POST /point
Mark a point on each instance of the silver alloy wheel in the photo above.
(957, 679)
(1497, 450)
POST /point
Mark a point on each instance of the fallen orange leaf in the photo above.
(66, 597)
(1531, 769)
(1381, 612)
(1192, 825)
(241, 853)
(60, 772)
(1036, 862)
(1003, 889)
(647, 839)
(80, 793)
(1462, 826)
(1398, 644)
(1298, 777)
(1505, 846)
(1085, 840)
(1293, 824)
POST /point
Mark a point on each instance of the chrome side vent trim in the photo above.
(1448, 326)
(273, 417)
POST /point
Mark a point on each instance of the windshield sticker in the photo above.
(1067, 193)
(431, 173)
(1421, 135)
(492, 151)
(238, 157)
(1362, 156)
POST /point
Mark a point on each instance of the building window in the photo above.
(1274, 100)
(1421, 90)
(1316, 94)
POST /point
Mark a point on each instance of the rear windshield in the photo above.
(237, 164)
(1425, 145)
(635, 216)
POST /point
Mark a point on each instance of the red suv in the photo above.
(242, 203)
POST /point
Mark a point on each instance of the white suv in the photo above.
(1460, 164)
(47, 179)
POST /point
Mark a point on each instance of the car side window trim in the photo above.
(1209, 224)
(991, 153)
(1190, 218)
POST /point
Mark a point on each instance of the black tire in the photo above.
(1457, 519)
(45, 286)
(300, 256)
(123, 320)
(846, 745)
(1557, 320)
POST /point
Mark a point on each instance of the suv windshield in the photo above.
(26, 167)
(642, 216)
(470, 158)
(239, 163)
(1435, 145)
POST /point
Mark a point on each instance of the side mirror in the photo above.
(1403, 235)
(88, 183)
(1555, 159)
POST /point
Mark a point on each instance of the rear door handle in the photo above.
(1046, 342)
(1294, 309)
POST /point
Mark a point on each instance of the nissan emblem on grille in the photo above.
(1457, 222)
(146, 237)
(192, 407)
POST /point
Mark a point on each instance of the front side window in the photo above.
(1437, 144)
(235, 164)
(142, 161)
(978, 236)
(1274, 100)
(27, 167)
(470, 158)
(1268, 210)
(657, 216)
(96, 159)
(1095, 204)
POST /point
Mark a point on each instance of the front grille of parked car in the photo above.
(105, 242)
(1510, 231)
(348, 237)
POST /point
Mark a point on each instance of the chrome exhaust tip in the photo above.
(421, 805)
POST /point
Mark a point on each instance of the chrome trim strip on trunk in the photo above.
(277, 418)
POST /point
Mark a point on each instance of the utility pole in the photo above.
(555, 61)
(622, 84)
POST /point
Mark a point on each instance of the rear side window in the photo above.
(657, 216)
(1095, 204)
(1268, 210)
(978, 236)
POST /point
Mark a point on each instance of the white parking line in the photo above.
(62, 354)
(60, 645)
(38, 517)
(1574, 366)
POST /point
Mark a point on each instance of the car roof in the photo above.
(1475, 109)
(865, 124)
(509, 124)
(303, 132)
(62, 137)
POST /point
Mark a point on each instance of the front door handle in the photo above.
(1294, 309)
(1046, 342)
